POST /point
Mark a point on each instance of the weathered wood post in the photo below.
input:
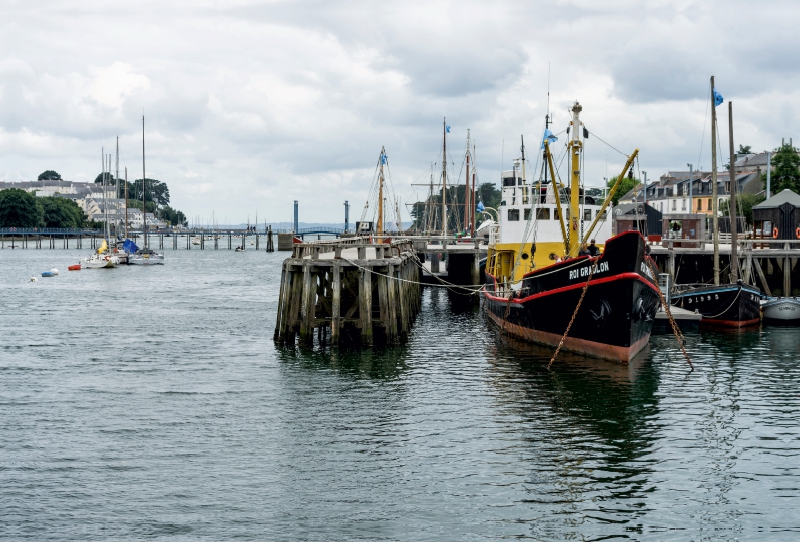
(308, 306)
(365, 306)
(336, 304)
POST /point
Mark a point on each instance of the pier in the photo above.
(350, 291)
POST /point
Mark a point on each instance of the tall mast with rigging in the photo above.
(144, 190)
(444, 177)
(732, 206)
(379, 225)
(714, 203)
(473, 195)
(575, 149)
(467, 195)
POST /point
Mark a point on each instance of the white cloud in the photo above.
(251, 105)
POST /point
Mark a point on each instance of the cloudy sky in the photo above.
(251, 105)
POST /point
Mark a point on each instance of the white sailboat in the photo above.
(145, 256)
(103, 258)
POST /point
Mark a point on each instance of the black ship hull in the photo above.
(726, 305)
(617, 313)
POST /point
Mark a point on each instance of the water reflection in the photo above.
(589, 425)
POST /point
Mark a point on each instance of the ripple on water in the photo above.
(152, 403)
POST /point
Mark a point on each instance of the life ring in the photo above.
(774, 233)
(797, 233)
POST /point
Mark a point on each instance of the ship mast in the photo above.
(144, 190)
(467, 195)
(444, 177)
(714, 210)
(473, 194)
(575, 149)
(379, 226)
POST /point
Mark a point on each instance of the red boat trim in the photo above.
(581, 346)
(621, 276)
(729, 323)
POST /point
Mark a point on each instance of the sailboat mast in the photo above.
(103, 183)
(117, 196)
(379, 226)
(732, 206)
(144, 190)
(126, 203)
(473, 195)
(444, 177)
(714, 203)
(467, 195)
(575, 179)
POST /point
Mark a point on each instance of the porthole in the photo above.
(525, 256)
(552, 256)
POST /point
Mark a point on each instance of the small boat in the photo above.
(48, 274)
(76, 267)
(196, 240)
(102, 259)
(239, 249)
(781, 310)
(145, 256)
(726, 305)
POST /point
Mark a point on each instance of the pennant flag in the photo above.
(480, 207)
(447, 129)
(549, 137)
(383, 158)
(717, 98)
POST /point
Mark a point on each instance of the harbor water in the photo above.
(150, 402)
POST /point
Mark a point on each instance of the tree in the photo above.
(156, 191)
(173, 216)
(109, 179)
(627, 184)
(49, 175)
(19, 209)
(786, 170)
(745, 149)
(744, 206)
(61, 213)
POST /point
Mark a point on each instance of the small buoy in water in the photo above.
(34, 279)
(47, 273)
(54, 271)
(76, 267)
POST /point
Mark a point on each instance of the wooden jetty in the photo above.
(351, 291)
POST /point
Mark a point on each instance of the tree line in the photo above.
(18, 210)
(456, 196)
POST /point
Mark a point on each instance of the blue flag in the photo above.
(447, 129)
(383, 158)
(549, 137)
(717, 98)
(480, 207)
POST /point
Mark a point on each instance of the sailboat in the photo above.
(145, 255)
(103, 258)
(543, 288)
(723, 305)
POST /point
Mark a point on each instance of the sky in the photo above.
(249, 106)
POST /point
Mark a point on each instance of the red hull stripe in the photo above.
(572, 344)
(621, 276)
(729, 323)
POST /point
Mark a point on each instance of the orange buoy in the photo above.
(774, 233)
(76, 267)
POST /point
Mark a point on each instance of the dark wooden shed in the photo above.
(778, 217)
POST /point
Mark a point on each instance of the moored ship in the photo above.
(537, 268)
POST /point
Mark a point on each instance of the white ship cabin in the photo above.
(521, 199)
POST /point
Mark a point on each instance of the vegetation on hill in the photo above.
(786, 170)
(21, 209)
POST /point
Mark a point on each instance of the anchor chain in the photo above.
(678, 335)
(574, 314)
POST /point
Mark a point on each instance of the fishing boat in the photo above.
(145, 255)
(734, 304)
(543, 288)
(781, 310)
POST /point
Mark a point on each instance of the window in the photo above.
(513, 214)
(686, 189)
(683, 204)
(508, 181)
(661, 206)
(674, 204)
(527, 214)
(543, 213)
(699, 205)
(587, 215)
(555, 214)
(708, 204)
(605, 213)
